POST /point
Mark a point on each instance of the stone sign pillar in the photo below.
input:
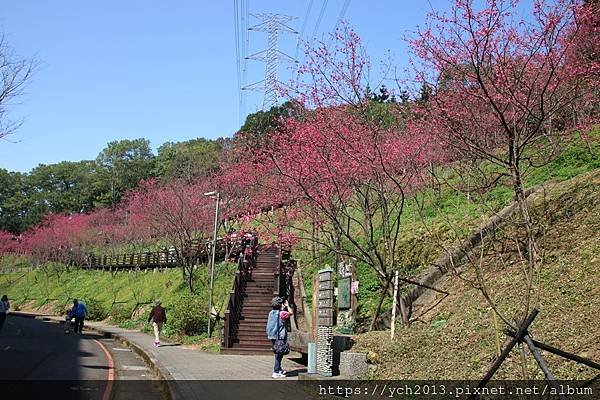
(325, 322)
(346, 298)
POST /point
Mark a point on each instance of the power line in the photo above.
(301, 36)
(304, 23)
(321, 14)
(342, 13)
(237, 53)
(244, 37)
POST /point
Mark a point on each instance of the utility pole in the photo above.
(217, 195)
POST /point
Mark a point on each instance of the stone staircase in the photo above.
(250, 336)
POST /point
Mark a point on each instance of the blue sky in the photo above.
(165, 71)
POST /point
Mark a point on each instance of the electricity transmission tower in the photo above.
(273, 25)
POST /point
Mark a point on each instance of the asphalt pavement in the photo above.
(38, 360)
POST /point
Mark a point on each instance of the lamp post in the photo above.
(214, 248)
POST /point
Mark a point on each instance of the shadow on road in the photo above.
(38, 360)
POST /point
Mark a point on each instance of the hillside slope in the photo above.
(441, 218)
(457, 339)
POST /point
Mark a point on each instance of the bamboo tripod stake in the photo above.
(394, 305)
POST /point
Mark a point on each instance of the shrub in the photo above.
(97, 311)
(188, 315)
(120, 313)
(60, 306)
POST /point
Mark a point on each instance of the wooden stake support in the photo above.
(394, 306)
(522, 336)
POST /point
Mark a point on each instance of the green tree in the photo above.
(66, 186)
(121, 166)
(20, 208)
(259, 124)
(190, 159)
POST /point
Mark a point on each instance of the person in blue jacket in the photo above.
(277, 332)
(80, 313)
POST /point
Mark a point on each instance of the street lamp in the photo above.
(214, 247)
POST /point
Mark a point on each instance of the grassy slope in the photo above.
(428, 217)
(45, 289)
(456, 340)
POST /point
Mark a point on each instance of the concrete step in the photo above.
(254, 307)
(259, 297)
(255, 312)
(254, 322)
(254, 337)
(264, 303)
(246, 351)
(252, 326)
(254, 318)
(254, 345)
(257, 301)
(259, 293)
(246, 312)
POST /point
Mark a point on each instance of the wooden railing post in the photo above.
(277, 275)
(226, 342)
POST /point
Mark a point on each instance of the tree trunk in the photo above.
(384, 291)
(527, 222)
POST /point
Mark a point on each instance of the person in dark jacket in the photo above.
(4, 309)
(158, 316)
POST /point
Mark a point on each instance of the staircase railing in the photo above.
(246, 263)
(284, 273)
(277, 275)
(283, 284)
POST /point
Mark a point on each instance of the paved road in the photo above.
(192, 374)
(36, 354)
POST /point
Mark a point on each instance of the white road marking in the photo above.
(83, 388)
(118, 349)
(133, 368)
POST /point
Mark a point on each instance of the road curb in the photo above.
(153, 363)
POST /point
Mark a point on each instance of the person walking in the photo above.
(4, 309)
(68, 319)
(80, 314)
(277, 333)
(158, 316)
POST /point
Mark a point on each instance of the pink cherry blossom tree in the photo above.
(346, 163)
(506, 88)
(177, 213)
(9, 243)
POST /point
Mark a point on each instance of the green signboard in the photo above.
(344, 293)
